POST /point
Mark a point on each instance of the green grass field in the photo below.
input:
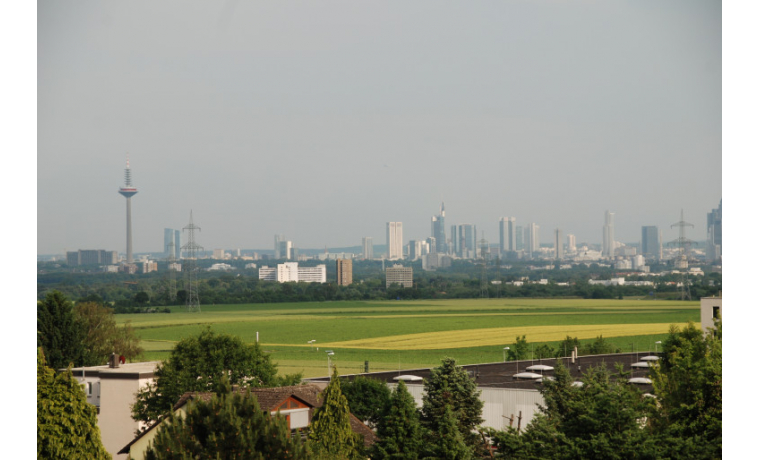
(405, 334)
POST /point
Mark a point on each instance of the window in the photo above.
(716, 312)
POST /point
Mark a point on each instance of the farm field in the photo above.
(406, 334)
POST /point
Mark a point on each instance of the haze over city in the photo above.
(324, 122)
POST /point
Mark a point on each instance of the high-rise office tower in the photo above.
(344, 269)
(172, 243)
(650, 242)
(559, 252)
(286, 250)
(608, 235)
(571, 243)
(453, 247)
(277, 240)
(531, 239)
(394, 237)
(507, 236)
(438, 229)
(715, 233)
(368, 251)
(519, 238)
(128, 191)
(467, 245)
(432, 245)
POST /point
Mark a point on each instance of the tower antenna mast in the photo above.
(682, 259)
(190, 267)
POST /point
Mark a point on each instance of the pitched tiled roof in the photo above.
(269, 399)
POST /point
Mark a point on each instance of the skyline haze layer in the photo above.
(324, 122)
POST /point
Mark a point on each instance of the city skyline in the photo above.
(263, 121)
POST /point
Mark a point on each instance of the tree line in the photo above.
(153, 292)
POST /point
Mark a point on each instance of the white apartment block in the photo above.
(290, 271)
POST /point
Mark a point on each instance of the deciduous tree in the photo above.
(367, 398)
(230, 425)
(103, 337)
(67, 425)
(197, 364)
(688, 385)
(519, 350)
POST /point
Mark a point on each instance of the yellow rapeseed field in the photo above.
(500, 336)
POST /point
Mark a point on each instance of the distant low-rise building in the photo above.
(398, 274)
(149, 266)
(91, 257)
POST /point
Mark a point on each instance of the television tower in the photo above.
(128, 191)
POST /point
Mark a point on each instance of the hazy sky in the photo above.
(324, 120)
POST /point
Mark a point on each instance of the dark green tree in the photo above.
(519, 350)
(197, 364)
(59, 333)
(450, 385)
(67, 425)
(448, 442)
(544, 351)
(230, 425)
(598, 347)
(688, 385)
(603, 419)
(399, 431)
(331, 436)
(367, 398)
(565, 348)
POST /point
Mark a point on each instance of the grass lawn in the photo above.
(407, 334)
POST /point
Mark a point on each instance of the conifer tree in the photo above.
(399, 430)
(448, 442)
(230, 425)
(67, 425)
(331, 436)
(450, 385)
(59, 333)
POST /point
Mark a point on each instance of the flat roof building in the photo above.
(398, 274)
(344, 269)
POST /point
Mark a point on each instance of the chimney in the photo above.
(113, 361)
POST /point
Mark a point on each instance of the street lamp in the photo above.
(505, 353)
(655, 345)
(329, 353)
(312, 344)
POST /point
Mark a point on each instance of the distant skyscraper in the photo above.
(715, 233)
(650, 242)
(571, 243)
(559, 252)
(277, 247)
(531, 239)
(507, 236)
(368, 250)
(608, 235)
(438, 229)
(286, 250)
(453, 247)
(467, 245)
(344, 269)
(128, 191)
(432, 245)
(394, 237)
(519, 238)
(172, 243)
